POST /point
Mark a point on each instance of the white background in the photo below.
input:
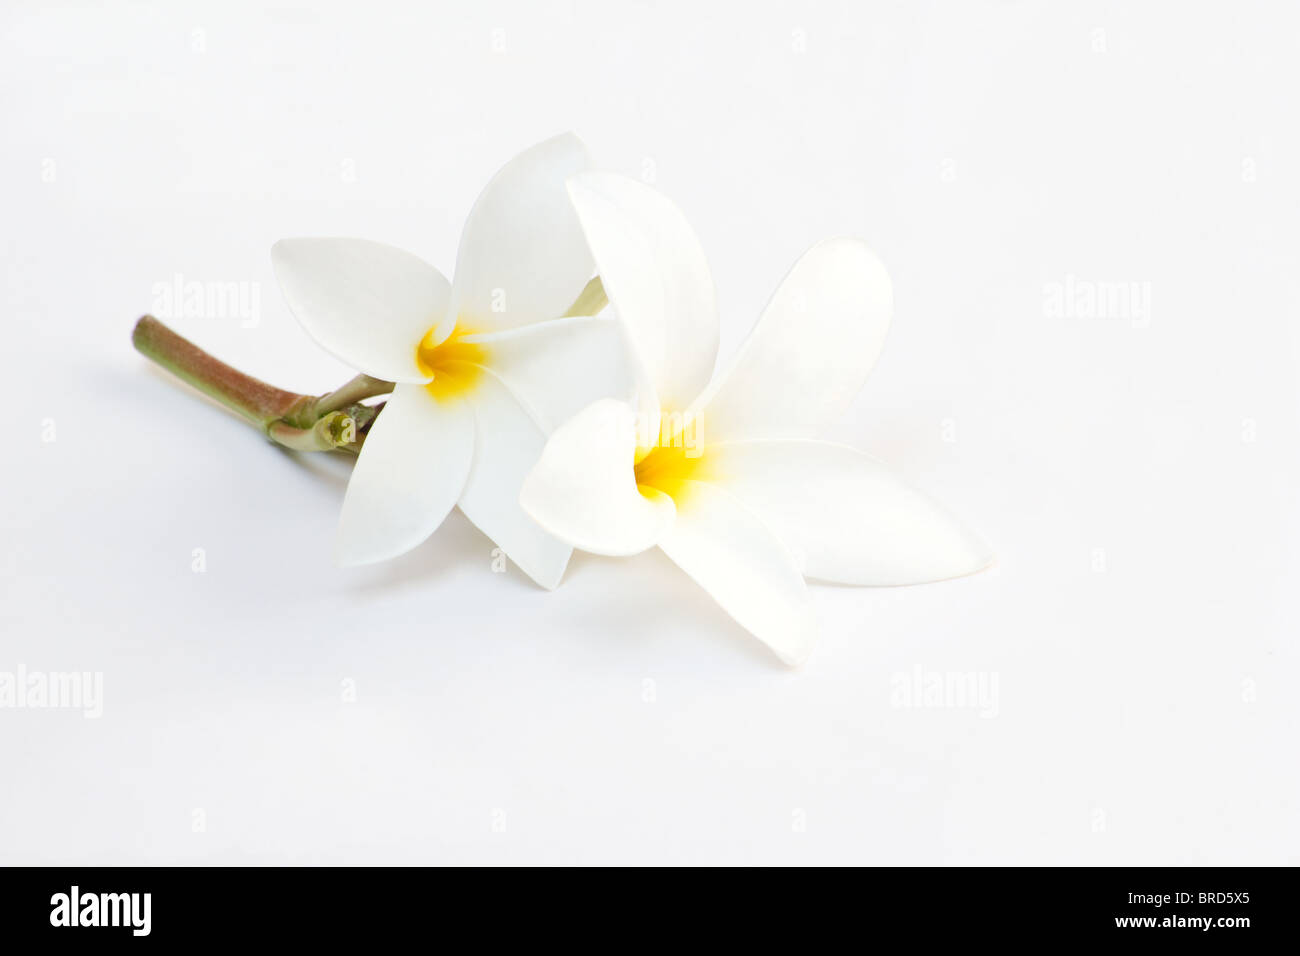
(1137, 477)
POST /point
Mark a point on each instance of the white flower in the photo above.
(484, 365)
(723, 476)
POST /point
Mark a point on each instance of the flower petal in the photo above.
(583, 489)
(730, 553)
(522, 256)
(508, 444)
(410, 472)
(846, 516)
(560, 367)
(811, 351)
(363, 302)
(657, 278)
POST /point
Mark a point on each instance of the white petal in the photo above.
(508, 444)
(657, 278)
(364, 302)
(730, 553)
(584, 489)
(522, 256)
(410, 472)
(811, 351)
(848, 517)
(560, 367)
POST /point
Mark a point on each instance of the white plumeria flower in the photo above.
(484, 365)
(723, 476)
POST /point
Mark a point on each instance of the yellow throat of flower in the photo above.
(456, 366)
(675, 461)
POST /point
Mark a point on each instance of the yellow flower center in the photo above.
(456, 366)
(678, 458)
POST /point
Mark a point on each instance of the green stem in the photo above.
(337, 420)
(351, 393)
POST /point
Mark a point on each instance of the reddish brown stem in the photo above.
(304, 422)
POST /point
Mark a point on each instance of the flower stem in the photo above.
(590, 300)
(336, 420)
(352, 392)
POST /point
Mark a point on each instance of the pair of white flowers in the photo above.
(612, 434)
